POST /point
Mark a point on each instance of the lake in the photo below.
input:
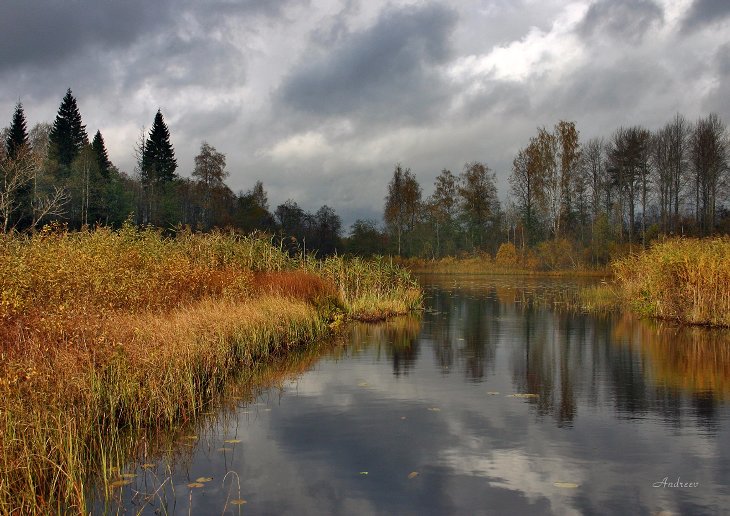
(497, 399)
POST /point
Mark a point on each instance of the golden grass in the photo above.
(682, 279)
(108, 333)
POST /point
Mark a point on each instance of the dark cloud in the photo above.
(618, 87)
(386, 70)
(705, 12)
(45, 33)
(623, 20)
(716, 100)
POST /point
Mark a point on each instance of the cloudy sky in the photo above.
(320, 98)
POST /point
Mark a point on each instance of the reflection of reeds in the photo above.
(684, 279)
(694, 359)
(107, 333)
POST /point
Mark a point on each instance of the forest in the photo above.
(571, 202)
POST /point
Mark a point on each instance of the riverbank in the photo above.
(109, 332)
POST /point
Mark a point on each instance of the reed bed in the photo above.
(681, 279)
(106, 333)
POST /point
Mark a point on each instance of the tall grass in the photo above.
(109, 332)
(682, 279)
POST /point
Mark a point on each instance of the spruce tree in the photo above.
(18, 135)
(68, 135)
(102, 157)
(158, 158)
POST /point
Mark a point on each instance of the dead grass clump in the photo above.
(683, 279)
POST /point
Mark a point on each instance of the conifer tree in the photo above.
(18, 134)
(158, 159)
(68, 135)
(102, 157)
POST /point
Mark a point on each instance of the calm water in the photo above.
(419, 416)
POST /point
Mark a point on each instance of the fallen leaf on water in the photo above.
(523, 395)
(232, 441)
(493, 393)
(238, 501)
(566, 485)
(203, 479)
(363, 472)
(413, 474)
(434, 409)
(362, 384)
(403, 417)
(195, 484)
(224, 449)
(120, 483)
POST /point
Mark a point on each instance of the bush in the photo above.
(507, 255)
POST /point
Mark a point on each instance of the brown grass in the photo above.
(682, 279)
(108, 333)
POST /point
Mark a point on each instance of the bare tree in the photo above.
(708, 151)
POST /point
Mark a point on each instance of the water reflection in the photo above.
(497, 397)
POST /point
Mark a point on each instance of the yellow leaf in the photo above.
(238, 501)
(413, 474)
(203, 479)
(232, 441)
(195, 484)
(120, 483)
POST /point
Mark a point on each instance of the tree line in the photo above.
(569, 200)
(53, 172)
(577, 200)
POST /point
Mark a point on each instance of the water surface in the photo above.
(495, 401)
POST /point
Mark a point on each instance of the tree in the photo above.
(365, 239)
(708, 151)
(158, 156)
(68, 135)
(102, 157)
(479, 201)
(526, 185)
(402, 203)
(210, 171)
(327, 231)
(569, 156)
(443, 205)
(17, 137)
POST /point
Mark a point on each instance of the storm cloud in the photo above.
(321, 99)
(389, 70)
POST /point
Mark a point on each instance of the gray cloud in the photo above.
(626, 20)
(705, 12)
(386, 70)
(39, 33)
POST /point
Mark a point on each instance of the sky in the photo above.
(320, 99)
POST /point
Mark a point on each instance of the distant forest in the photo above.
(570, 201)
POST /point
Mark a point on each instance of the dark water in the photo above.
(419, 416)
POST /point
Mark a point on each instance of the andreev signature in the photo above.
(667, 483)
